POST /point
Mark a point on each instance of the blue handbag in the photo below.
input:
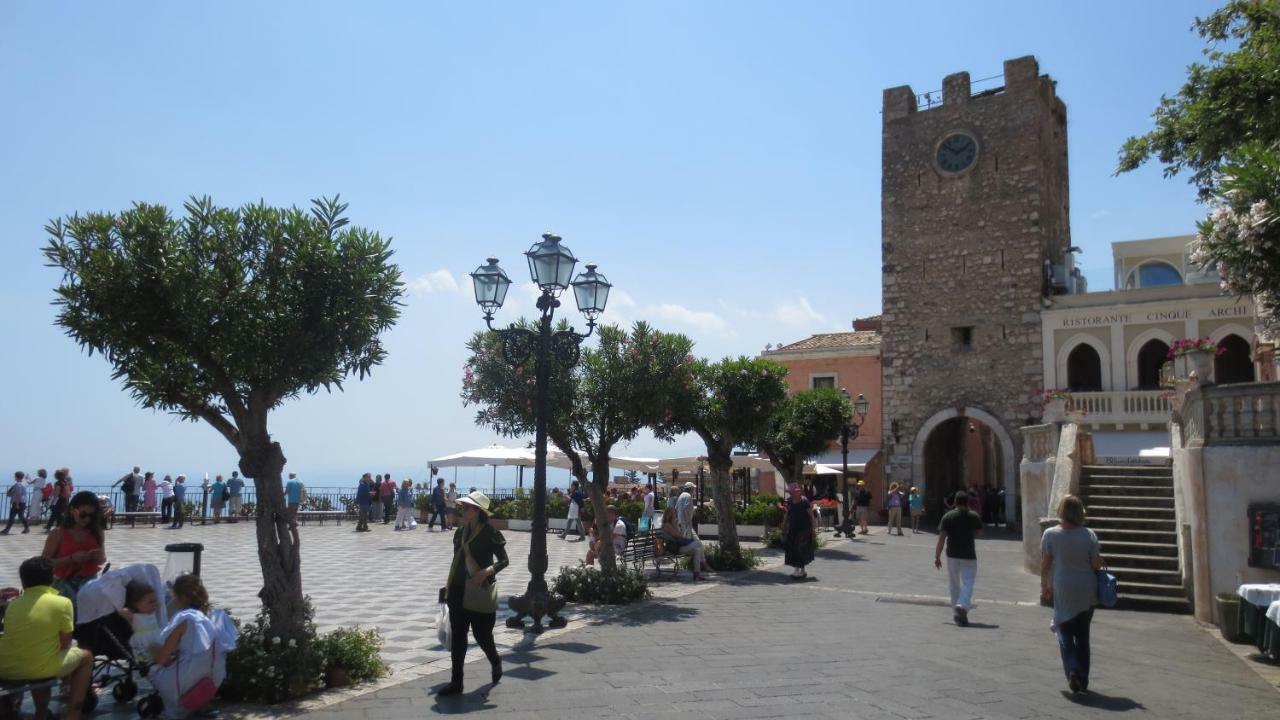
(1107, 596)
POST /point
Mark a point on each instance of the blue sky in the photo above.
(719, 160)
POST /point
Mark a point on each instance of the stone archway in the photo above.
(1008, 470)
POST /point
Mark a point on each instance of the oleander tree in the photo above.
(801, 428)
(626, 383)
(1223, 129)
(732, 406)
(222, 314)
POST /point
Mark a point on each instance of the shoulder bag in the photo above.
(201, 694)
(1107, 596)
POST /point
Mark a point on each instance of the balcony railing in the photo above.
(1243, 414)
(1122, 407)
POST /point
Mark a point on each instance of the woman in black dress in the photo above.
(798, 531)
(479, 553)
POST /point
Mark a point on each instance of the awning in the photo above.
(858, 458)
(1131, 447)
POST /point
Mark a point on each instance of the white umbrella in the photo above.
(682, 464)
(492, 455)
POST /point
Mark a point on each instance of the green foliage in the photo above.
(422, 501)
(773, 539)
(266, 667)
(763, 510)
(724, 560)
(801, 427)
(589, 585)
(502, 509)
(354, 650)
(225, 310)
(319, 503)
(1232, 100)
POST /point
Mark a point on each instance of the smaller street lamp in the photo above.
(849, 432)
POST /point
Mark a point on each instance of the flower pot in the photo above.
(1055, 410)
(1228, 607)
(337, 677)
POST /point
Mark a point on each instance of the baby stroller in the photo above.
(100, 627)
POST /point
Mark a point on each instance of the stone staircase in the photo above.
(1130, 507)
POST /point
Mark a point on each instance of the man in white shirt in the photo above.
(18, 504)
(619, 537)
(648, 507)
(37, 503)
(684, 510)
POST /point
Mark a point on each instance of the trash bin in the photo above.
(1229, 616)
(184, 559)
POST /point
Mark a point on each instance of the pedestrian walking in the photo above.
(800, 535)
(438, 508)
(218, 498)
(471, 592)
(61, 496)
(179, 502)
(164, 489)
(1070, 560)
(916, 501)
(130, 484)
(364, 499)
(388, 497)
(404, 500)
(894, 504)
(375, 505)
(41, 491)
(18, 496)
(295, 493)
(235, 499)
(649, 499)
(957, 531)
(862, 500)
(451, 506)
(574, 515)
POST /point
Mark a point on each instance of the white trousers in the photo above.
(960, 575)
(696, 554)
(404, 516)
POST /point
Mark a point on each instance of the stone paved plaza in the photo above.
(868, 636)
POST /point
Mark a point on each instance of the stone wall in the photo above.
(968, 250)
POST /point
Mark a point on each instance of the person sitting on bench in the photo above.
(692, 547)
(36, 644)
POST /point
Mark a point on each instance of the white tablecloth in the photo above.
(1273, 612)
(1260, 594)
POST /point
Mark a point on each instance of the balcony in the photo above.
(1122, 407)
(1243, 414)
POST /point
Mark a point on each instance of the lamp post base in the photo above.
(535, 604)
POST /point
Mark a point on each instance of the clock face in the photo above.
(957, 152)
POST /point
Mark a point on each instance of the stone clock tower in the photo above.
(974, 225)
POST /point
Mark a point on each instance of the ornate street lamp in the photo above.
(551, 267)
(848, 432)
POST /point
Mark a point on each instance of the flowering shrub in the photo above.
(355, 651)
(589, 585)
(827, 503)
(1056, 394)
(722, 561)
(1189, 345)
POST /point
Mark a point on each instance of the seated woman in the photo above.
(195, 646)
(692, 547)
(78, 547)
(36, 644)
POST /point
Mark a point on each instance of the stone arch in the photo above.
(1131, 353)
(1232, 329)
(1134, 279)
(1008, 460)
(1245, 341)
(1104, 357)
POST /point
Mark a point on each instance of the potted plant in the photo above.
(1194, 355)
(422, 503)
(1228, 606)
(1055, 404)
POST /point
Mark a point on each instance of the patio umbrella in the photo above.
(492, 455)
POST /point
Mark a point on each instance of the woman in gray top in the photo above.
(1069, 567)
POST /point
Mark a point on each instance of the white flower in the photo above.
(293, 643)
(275, 640)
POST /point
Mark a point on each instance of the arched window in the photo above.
(1235, 363)
(1153, 274)
(1084, 369)
(1152, 355)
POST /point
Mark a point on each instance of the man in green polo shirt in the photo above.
(36, 644)
(957, 531)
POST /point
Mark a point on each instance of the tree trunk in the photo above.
(279, 547)
(596, 489)
(722, 487)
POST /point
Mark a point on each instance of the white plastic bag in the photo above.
(443, 632)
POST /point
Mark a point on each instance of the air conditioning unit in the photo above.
(1059, 279)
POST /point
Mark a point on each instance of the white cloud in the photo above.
(696, 319)
(621, 298)
(799, 313)
(439, 281)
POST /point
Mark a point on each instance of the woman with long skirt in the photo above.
(800, 536)
(479, 554)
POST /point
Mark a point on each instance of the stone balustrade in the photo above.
(1122, 407)
(1243, 414)
(1039, 442)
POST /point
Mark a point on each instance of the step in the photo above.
(1094, 489)
(1133, 470)
(1146, 576)
(1107, 536)
(1110, 522)
(1153, 562)
(1125, 587)
(1157, 480)
(1153, 603)
(1139, 549)
(1094, 503)
(1117, 510)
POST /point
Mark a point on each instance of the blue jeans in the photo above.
(1073, 642)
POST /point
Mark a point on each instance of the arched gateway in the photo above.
(937, 456)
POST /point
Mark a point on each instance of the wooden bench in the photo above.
(321, 515)
(648, 547)
(134, 517)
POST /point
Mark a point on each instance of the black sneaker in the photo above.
(962, 617)
(1073, 682)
